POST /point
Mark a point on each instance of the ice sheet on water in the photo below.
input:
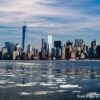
(93, 95)
(19, 63)
(69, 86)
(24, 93)
(27, 84)
(46, 84)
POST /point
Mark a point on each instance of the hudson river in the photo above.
(49, 80)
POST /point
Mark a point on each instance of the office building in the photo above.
(50, 44)
(78, 42)
(57, 44)
(8, 46)
(73, 55)
(92, 50)
(98, 51)
(4, 52)
(43, 43)
(69, 43)
(63, 52)
(93, 43)
(23, 37)
(16, 55)
(29, 48)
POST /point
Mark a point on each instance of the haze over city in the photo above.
(60, 18)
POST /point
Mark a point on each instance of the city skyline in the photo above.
(60, 18)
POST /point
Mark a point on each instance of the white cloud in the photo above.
(16, 12)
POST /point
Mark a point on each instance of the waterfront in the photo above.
(49, 80)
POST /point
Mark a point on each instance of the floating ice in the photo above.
(40, 92)
(3, 81)
(47, 84)
(25, 93)
(92, 95)
(27, 84)
(69, 86)
(25, 63)
(76, 91)
(61, 90)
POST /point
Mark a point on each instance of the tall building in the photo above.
(29, 48)
(57, 44)
(98, 51)
(78, 42)
(23, 37)
(43, 50)
(63, 52)
(4, 52)
(92, 51)
(50, 45)
(69, 43)
(43, 43)
(93, 44)
(8, 46)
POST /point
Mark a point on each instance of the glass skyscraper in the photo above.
(50, 43)
(23, 37)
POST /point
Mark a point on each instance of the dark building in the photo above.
(0, 55)
(8, 46)
(69, 43)
(58, 53)
(93, 43)
(68, 54)
(43, 44)
(98, 51)
(92, 51)
(53, 53)
(23, 37)
(57, 44)
(43, 51)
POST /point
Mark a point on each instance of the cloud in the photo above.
(49, 16)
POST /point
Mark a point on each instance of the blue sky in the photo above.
(64, 19)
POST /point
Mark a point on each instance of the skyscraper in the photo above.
(23, 37)
(43, 43)
(8, 46)
(78, 42)
(50, 45)
(57, 44)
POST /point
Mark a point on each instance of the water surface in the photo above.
(49, 80)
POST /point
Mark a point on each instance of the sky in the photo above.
(63, 19)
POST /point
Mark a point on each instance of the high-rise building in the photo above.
(93, 44)
(92, 51)
(29, 48)
(4, 52)
(43, 50)
(18, 47)
(63, 52)
(43, 44)
(69, 43)
(78, 42)
(50, 45)
(57, 44)
(23, 37)
(8, 46)
(98, 51)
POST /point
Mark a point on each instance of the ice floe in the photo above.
(69, 86)
(27, 84)
(24, 93)
(40, 92)
(92, 95)
(46, 84)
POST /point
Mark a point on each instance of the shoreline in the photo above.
(50, 60)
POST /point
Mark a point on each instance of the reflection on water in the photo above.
(53, 80)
